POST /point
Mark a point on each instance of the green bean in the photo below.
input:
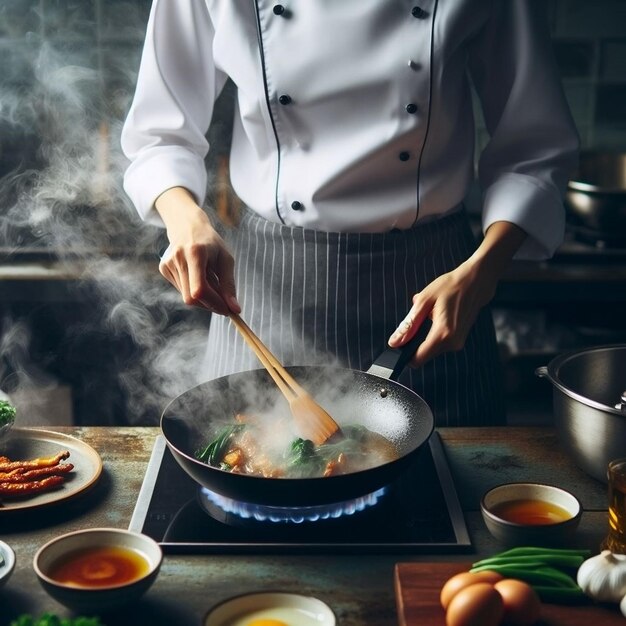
(558, 560)
(538, 574)
(543, 551)
(561, 595)
(542, 568)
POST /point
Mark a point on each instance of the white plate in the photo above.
(290, 608)
(7, 562)
(30, 443)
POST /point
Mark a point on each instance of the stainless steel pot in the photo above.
(589, 401)
(595, 199)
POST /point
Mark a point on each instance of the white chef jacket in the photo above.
(356, 115)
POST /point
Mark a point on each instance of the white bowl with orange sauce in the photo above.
(98, 569)
(531, 514)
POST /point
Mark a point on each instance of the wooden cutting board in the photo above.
(417, 587)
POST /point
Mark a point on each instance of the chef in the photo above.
(352, 152)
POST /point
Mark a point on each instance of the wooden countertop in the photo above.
(358, 588)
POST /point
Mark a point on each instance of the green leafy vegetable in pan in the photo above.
(302, 459)
(215, 451)
(250, 447)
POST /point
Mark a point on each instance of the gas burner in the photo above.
(223, 508)
(419, 512)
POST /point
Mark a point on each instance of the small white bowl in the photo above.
(291, 608)
(100, 599)
(513, 533)
(8, 562)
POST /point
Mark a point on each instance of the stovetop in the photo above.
(419, 513)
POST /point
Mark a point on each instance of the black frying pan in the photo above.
(371, 398)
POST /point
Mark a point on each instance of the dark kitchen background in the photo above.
(89, 332)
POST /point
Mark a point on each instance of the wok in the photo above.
(372, 399)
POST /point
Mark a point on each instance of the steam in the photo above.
(14, 347)
(61, 112)
(63, 101)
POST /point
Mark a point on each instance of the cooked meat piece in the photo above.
(30, 487)
(35, 463)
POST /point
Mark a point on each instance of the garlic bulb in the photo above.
(603, 577)
(622, 606)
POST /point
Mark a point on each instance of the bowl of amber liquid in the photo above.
(98, 570)
(531, 514)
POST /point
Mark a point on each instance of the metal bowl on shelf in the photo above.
(595, 199)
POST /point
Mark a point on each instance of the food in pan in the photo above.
(29, 477)
(251, 446)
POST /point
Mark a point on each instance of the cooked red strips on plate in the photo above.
(26, 477)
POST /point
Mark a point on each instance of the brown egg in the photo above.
(462, 580)
(521, 603)
(476, 605)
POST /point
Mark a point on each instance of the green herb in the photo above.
(50, 619)
(7, 412)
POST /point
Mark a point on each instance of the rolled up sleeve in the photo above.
(164, 134)
(533, 146)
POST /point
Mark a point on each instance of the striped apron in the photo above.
(318, 298)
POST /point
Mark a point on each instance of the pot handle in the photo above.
(542, 371)
(390, 363)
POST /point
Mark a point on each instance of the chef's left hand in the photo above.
(453, 300)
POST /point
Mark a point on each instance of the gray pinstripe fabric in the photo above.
(320, 298)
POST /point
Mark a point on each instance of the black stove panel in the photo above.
(419, 513)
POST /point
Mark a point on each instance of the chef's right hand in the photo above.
(197, 261)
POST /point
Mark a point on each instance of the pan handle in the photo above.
(392, 361)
